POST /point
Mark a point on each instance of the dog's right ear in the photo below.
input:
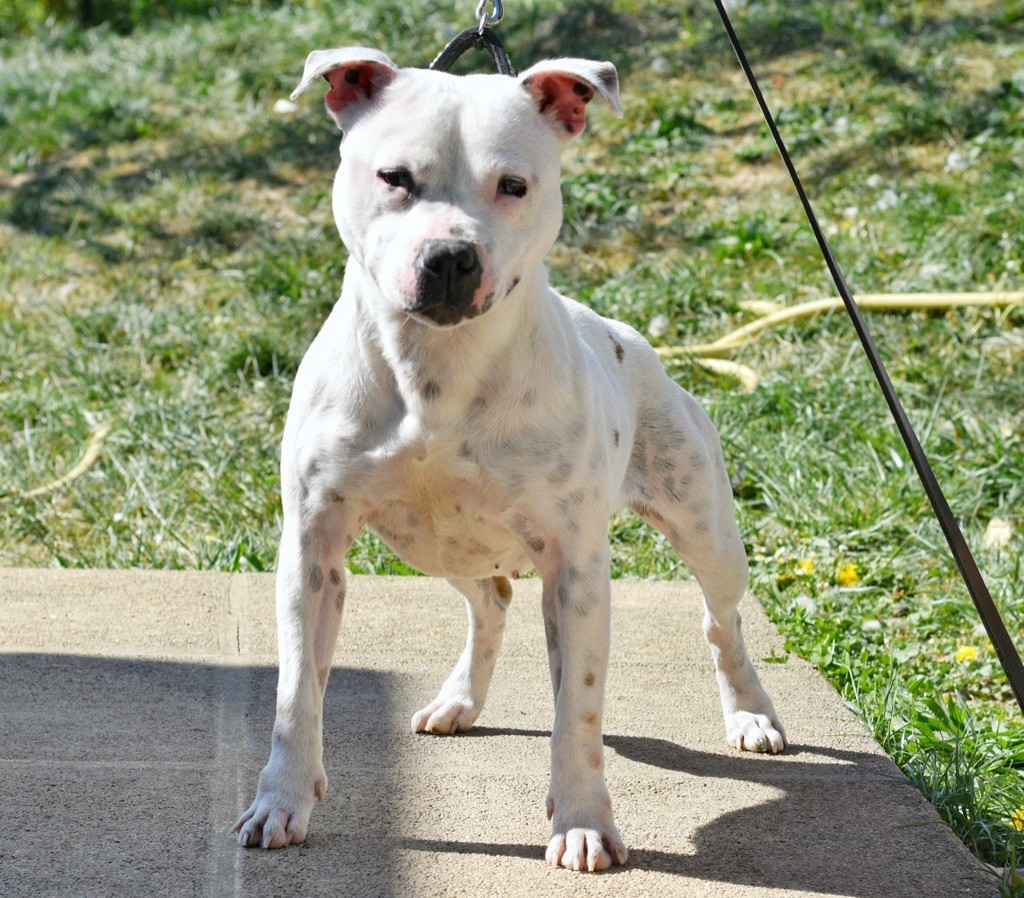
(356, 76)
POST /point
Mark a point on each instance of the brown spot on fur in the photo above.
(503, 588)
(615, 437)
(590, 718)
(595, 760)
(352, 76)
(339, 600)
(431, 390)
(589, 679)
(316, 578)
(619, 351)
(334, 577)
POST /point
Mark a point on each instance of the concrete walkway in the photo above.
(135, 716)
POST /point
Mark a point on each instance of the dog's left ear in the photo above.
(563, 87)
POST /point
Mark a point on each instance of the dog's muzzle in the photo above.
(448, 275)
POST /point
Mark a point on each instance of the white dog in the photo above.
(483, 425)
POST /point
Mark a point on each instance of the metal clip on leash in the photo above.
(1001, 640)
(480, 37)
(492, 19)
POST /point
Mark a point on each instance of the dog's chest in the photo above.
(443, 512)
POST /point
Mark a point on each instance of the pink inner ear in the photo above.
(567, 96)
(349, 84)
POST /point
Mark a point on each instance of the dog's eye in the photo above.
(396, 178)
(512, 186)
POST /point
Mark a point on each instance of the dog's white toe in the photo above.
(445, 716)
(586, 849)
(268, 827)
(279, 816)
(755, 732)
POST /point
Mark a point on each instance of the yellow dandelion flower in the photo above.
(966, 653)
(848, 575)
(805, 567)
(1017, 818)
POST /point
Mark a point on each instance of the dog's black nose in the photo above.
(448, 273)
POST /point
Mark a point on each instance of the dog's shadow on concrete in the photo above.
(176, 747)
(811, 835)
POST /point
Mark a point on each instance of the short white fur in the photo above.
(488, 447)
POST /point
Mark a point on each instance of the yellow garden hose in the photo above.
(710, 355)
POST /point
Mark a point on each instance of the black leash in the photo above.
(481, 38)
(1001, 640)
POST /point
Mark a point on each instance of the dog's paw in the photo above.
(586, 848)
(583, 839)
(755, 732)
(279, 816)
(446, 715)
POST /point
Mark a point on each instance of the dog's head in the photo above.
(448, 188)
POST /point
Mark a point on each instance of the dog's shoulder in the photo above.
(610, 339)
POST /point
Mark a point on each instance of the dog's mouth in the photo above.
(442, 316)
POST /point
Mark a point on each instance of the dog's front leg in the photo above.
(310, 597)
(577, 610)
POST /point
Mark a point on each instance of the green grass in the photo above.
(167, 253)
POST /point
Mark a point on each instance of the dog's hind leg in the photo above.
(677, 482)
(461, 698)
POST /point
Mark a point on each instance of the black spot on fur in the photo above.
(352, 76)
(663, 465)
(316, 578)
(551, 633)
(607, 79)
(619, 351)
(431, 390)
(561, 473)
